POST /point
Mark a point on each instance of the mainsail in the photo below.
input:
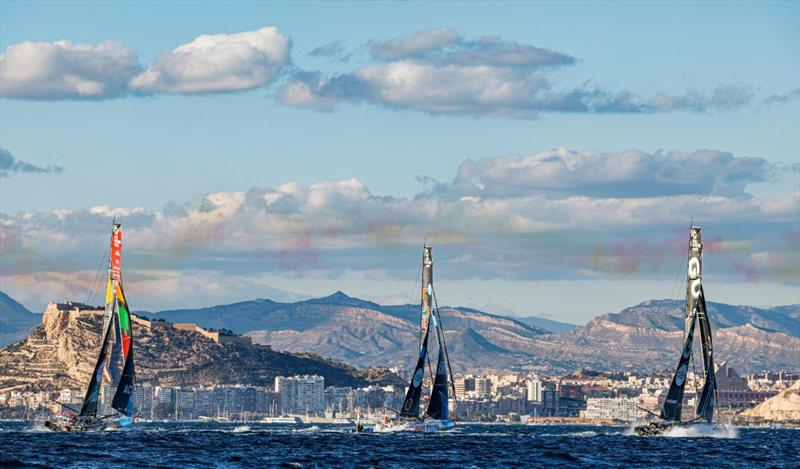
(414, 393)
(674, 402)
(89, 407)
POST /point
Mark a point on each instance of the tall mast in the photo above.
(696, 295)
(89, 407)
(427, 291)
(673, 405)
(413, 394)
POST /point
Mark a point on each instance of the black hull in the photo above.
(81, 425)
(653, 428)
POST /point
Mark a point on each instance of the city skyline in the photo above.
(314, 156)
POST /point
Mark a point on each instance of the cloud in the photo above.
(624, 174)
(445, 46)
(440, 72)
(63, 70)
(783, 98)
(332, 50)
(549, 216)
(9, 164)
(218, 63)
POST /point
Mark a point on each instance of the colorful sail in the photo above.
(123, 400)
(437, 406)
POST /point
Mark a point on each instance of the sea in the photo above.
(223, 445)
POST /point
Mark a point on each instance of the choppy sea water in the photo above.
(179, 445)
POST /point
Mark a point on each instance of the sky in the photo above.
(554, 154)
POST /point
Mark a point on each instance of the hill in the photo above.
(61, 352)
(548, 325)
(15, 320)
(643, 337)
(362, 332)
(783, 408)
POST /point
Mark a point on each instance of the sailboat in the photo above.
(437, 416)
(115, 360)
(696, 312)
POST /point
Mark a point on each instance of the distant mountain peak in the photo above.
(340, 298)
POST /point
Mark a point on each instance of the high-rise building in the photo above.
(300, 394)
(611, 408)
(534, 390)
(483, 387)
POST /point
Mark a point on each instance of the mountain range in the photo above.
(644, 337)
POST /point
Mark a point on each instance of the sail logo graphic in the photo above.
(116, 254)
(694, 276)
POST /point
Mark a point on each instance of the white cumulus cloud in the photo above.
(64, 70)
(218, 63)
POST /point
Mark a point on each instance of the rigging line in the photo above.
(444, 344)
(96, 281)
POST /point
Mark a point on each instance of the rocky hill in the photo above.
(365, 333)
(643, 337)
(647, 336)
(15, 320)
(62, 350)
(783, 408)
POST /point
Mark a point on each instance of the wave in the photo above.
(703, 431)
(241, 429)
(700, 430)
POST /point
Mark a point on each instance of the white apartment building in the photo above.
(611, 408)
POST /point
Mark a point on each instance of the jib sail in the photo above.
(705, 406)
(123, 397)
(437, 406)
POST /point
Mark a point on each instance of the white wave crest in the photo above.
(703, 431)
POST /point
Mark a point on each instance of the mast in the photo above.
(427, 291)
(123, 396)
(673, 405)
(411, 402)
(89, 406)
(705, 406)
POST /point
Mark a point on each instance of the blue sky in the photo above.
(716, 76)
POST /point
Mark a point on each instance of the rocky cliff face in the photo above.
(783, 408)
(61, 352)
